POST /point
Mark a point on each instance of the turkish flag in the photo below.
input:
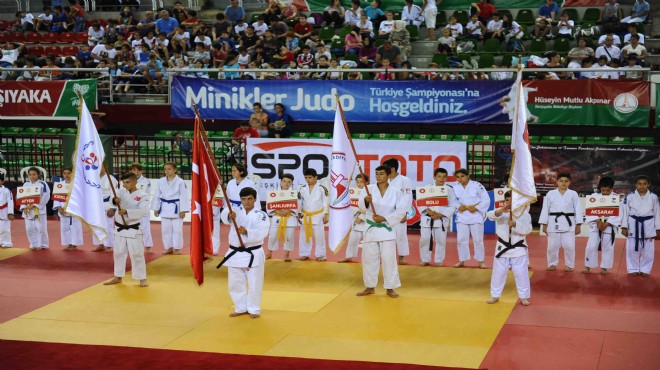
(205, 180)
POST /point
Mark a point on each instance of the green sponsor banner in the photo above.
(589, 102)
(317, 6)
(69, 101)
(657, 105)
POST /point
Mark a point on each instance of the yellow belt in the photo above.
(281, 229)
(307, 223)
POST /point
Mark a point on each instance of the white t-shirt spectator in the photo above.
(617, 40)
(136, 45)
(94, 36)
(44, 17)
(29, 18)
(206, 41)
(626, 38)
(151, 42)
(386, 27)
(611, 52)
(565, 30)
(494, 26)
(455, 29)
(259, 30)
(639, 50)
(101, 51)
(238, 28)
(9, 56)
(473, 28)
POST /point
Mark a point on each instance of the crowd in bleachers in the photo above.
(138, 50)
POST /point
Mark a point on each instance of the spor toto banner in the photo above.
(589, 102)
(45, 99)
(270, 158)
(374, 101)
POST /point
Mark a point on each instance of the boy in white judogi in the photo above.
(561, 218)
(359, 222)
(402, 183)
(36, 225)
(511, 251)
(171, 202)
(237, 183)
(473, 203)
(282, 224)
(640, 224)
(313, 205)
(215, 237)
(134, 204)
(145, 224)
(385, 207)
(6, 214)
(245, 277)
(602, 234)
(436, 220)
(71, 232)
(106, 189)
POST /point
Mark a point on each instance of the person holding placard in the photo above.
(282, 207)
(405, 186)
(217, 208)
(640, 225)
(71, 232)
(171, 203)
(144, 184)
(359, 216)
(437, 204)
(106, 189)
(313, 205)
(473, 203)
(602, 216)
(561, 219)
(6, 214)
(34, 209)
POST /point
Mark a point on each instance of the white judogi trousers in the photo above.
(145, 229)
(318, 239)
(215, 237)
(37, 231)
(171, 229)
(402, 246)
(591, 253)
(5, 234)
(129, 246)
(440, 238)
(110, 228)
(245, 286)
(353, 243)
(501, 267)
(642, 259)
(565, 240)
(373, 253)
(274, 242)
(463, 232)
(70, 231)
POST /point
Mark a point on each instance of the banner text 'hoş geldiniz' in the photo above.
(46, 98)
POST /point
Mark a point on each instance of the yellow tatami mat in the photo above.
(11, 252)
(309, 310)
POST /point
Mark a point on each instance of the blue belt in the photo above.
(639, 221)
(106, 199)
(237, 203)
(170, 201)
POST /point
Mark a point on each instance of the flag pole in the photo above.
(350, 140)
(513, 152)
(215, 168)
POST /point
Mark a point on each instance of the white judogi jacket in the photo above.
(474, 194)
(6, 203)
(291, 221)
(405, 185)
(391, 205)
(234, 191)
(144, 185)
(447, 211)
(640, 215)
(257, 225)
(518, 232)
(106, 189)
(614, 220)
(313, 202)
(555, 208)
(137, 205)
(40, 208)
(171, 197)
(362, 226)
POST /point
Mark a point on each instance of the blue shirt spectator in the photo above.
(640, 11)
(374, 13)
(166, 23)
(549, 10)
(234, 12)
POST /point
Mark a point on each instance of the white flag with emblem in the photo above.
(342, 164)
(85, 199)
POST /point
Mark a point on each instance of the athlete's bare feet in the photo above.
(459, 264)
(107, 249)
(392, 293)
(168, 251)
(551, 268)
(438, 264)
(644, 274)
(320, 259)
(287, 257)
(147, 250)
(402, 260)
(176, 251)
(633, 273)
(143, 283)
(254, 316)
(234, 314)
(303, 258)
(568, 269)
(482, 265)
(604, 272)
(115, 280)
(586, 270)
(366, 291)
(424, 264)
(345, 260)
(269, 255)
(492, 300)
(100, 248)
(525, 302)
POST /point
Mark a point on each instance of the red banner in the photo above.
(20, 98)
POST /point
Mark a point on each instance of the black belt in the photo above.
(559, 214)
(639, 221)
(122, 227)
(508, 246)
(431, 226)
(235, 250)
(600, 237)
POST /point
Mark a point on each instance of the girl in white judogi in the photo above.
(36, 225)
(215, 237)
(511, 251)
(441, 216)
(237, 183)
(171, 202)
(6, 214)
(385, 206)
(313, 205)
(71, 232)
(359, 222)
(602, 233)
(245, 277)
(144, 185)
(473, 203)
(640, 224)
(561, 218)
(405, 185)
(282, 224)
(134, 204)
(106, 190)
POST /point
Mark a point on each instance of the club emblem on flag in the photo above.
(91, 163)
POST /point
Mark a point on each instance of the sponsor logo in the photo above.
(625, 103)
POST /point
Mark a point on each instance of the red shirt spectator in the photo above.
(486, 10)
(245, 131)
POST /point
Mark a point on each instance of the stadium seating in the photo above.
(525, 17)
(592, 16)
(66, 38)
(596, 140)
(36, 51)
(572, 14)
(442, 137)
(50, 37)
(33, 38)
(52, 50)
(462, 16)
(70, 50)
(573, 140)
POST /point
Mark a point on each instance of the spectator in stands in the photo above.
(334, 70)
(447, 44)
(353, 41)
(633, 62)
(162, 46)
(155, 71)
(201, 54)
(31, 70)
(366, 27)
(234, 12)
(611, 16)
(280, 126)
(495, 28)
(367, 55)
(430, 9)
(305, 58)
(103, 52)
(193, 24)
(386, 71)
(484, 10)
(386, 26)
(412, 14)
(474, 29)
(147, 24)
(174, 60)
(239, 28)
(270, 45)
(260, 26)
(279, 30)
(390, 52)
(323, 65)
(46, 73)
(454, 27)
(166, 24)
(219, 56)
(150, 40)
(259, 120)
(182, 144)
(581, 51)
(59, 20)
(25, 22)
(273, 13)
(608, 49)
(313, 41)
(634, 48)
(268, 73)
(302, 30)
(353, 15)
(243, 57)
(375, 13)
(615, 37)
(84, 54)
(11, 75)
(244, 132)
(70, 20)
(112, 31)
(181, 39)
(125, 20)
(204, 39)
(554, 61)
(639, 13)
(605, 73)
(565, 26)
(333, 14)
(78, 14)
(179, 12)
(542, 29)
(321, 50)
(79, 63)
(221, 24)
(284, 57)
(121, 41)
(632, 30)
(125, 54)
(45, 20)
(10, 53)
(400, 37)
(512, 29)
(549, 11)
(289, 13)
